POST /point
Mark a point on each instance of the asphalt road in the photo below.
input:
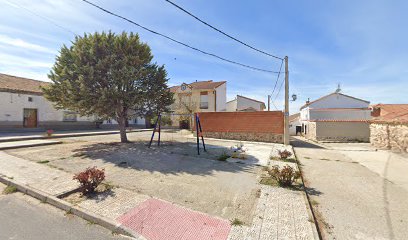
(357, 194)
(23, 217)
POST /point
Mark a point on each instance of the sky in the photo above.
(361, 45)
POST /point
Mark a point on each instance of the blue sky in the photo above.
(363, 45)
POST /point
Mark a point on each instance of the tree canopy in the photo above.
(109, 76)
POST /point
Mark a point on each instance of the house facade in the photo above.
(23, 106)
(294, 124)
(245, 104)
(199, 96)
(336, 117)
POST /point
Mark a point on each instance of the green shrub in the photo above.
(165, 120)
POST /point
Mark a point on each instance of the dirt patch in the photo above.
(172, 172)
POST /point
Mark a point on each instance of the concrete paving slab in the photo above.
(36, 175)
(27, 143)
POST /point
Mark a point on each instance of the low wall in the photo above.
(341, 131)
(389, 136)
(246, 126)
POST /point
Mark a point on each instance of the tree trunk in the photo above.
(122, 129)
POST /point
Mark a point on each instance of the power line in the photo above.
(277, 79)
(280, 88)
(274, 87)
(176, 41)
(38, 15)
(222, 32)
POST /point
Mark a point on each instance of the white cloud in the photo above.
(16, 42)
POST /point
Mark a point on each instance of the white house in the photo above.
(22, 105)
(294, 124)
(336, 117)
(245, 104)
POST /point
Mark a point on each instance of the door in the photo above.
(30, 118)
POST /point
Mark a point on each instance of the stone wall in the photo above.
(389, 136)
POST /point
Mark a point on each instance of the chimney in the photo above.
(308, 101)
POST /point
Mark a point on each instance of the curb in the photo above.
(316, 230)
(52, 142)
(15, 139)
(68, 207)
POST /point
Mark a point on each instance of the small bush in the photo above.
(285, 176)
(284, 154)
(223, 157)
(9, 190)
(236, 222)
(90, 179)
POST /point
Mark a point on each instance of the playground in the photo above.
(172, 171)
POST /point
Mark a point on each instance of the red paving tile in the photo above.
(159, 220)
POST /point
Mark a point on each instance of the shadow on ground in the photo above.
(169, 158)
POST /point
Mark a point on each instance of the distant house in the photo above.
(245, 104)
(22, 105)
(336, 117)
(389, 127)
(198, 96)
(295, 127)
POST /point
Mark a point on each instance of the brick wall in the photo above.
(248, 126)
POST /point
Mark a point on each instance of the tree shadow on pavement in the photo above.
(169, 158)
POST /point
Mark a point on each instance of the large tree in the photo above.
(108, 76)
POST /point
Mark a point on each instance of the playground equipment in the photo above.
(199, 131)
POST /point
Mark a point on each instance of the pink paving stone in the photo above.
(159, 220)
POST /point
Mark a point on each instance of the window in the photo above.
(203, 100)
(109, 121)
(30, 99)
(69, 116)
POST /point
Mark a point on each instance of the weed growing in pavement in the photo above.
(10, 189)
(43, 161)
(314, 202)
(236, 222)
(306, 157)
(223, 157)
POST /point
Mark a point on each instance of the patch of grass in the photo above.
(223, 157)
(236, 222)
(43, 161)
(314, 202)
(68, 213)
(90, 222)
(80, 154)
(9, 190)
(269, 181)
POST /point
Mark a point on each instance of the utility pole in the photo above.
(286, 114)
(269, 103)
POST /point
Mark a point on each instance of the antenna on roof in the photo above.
(338, 88)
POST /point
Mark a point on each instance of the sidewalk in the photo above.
(8, 137)
(279, 214)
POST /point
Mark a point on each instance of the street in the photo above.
(357, 192)
(23, 217)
